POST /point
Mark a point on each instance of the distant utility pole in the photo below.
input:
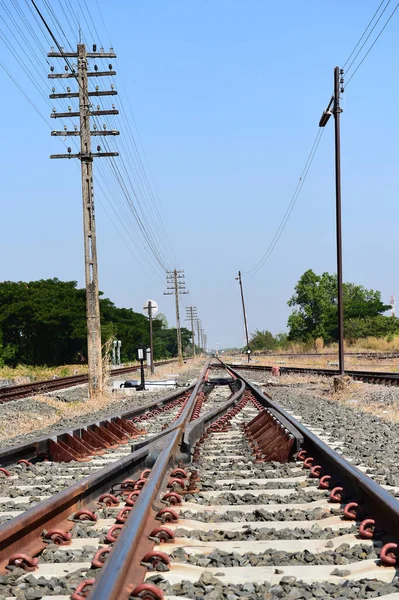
(336, 111)
(392, 301)
(175, 281)
(244, 313)
(199, 340)
(191, 315)
(86, 110)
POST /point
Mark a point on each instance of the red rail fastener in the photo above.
(176, 482)
(145, 474)
(166, 514)
(57, 536)
(349, 513)
(324, 482)
(6, 473)
(84, 514)
(81, 591)
(315, 471)
(25, 462)
(110, 537)
(108, 500)
(172, 498)
(123, 514)
(365, 530)
(386, 556)
(132, 497)
(162, 534)
(154, 558)
(179, 473)
(307, 463)
(140, 483)
(99, 557)
(24, 561)
(147, 591)
(336, 495)
(301, 455)
(127, 484)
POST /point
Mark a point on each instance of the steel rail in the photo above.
(366, 376)
(122, 571)
(373, 500)
(37, 449)
(14, 392)
(24, 532)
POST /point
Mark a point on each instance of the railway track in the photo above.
(365, 376)
(225, 495)
(15, 392)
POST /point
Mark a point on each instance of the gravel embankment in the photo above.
(369, 439)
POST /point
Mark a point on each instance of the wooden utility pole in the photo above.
(86, 159)
(199, 335)
(191, 315)
(175, 282)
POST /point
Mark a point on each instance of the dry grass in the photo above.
(40, 373)
(32, 417)
(24, 372)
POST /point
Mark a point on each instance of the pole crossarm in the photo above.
(92, 113)
(85, 156)
(94, 132)
(76, 55)
(76, 94)
(75, 75)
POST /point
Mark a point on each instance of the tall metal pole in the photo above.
(337, 112)
(89, 224)
(151, 337)
(244, 313)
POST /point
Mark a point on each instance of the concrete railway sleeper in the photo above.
(235, 499)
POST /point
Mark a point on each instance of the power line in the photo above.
(372, 45)
(364, 33)
(367, 38)
(290, 207)
(316, 142)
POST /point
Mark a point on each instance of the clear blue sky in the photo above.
(227, 96)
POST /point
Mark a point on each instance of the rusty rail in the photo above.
(14, 392)
(350, 485)
(365, 376)
(41, 447)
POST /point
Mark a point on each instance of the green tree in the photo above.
(44, 322)
(315, 310)
(262, 340)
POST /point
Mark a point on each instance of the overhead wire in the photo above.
(254, 270)
(290, 206)
(34, 59)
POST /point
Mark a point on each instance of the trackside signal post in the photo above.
(335, 109)
(86, 156)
